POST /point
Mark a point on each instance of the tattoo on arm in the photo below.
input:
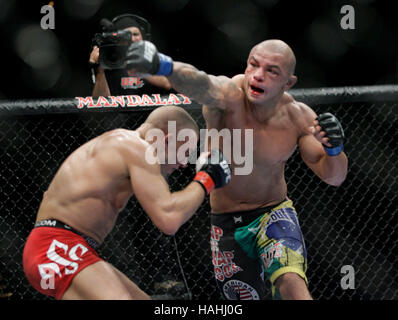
(196, 84)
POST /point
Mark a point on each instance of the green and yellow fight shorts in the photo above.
(251, 247)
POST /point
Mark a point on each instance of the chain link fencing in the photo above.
(354, 224)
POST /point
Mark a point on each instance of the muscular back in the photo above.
(274, 141)
(91, 186)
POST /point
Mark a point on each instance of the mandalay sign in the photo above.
(132, 101)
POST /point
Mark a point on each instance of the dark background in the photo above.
(215, 36)
(355, 224)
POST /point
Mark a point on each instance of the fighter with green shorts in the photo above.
(261, 125)
(251, 247)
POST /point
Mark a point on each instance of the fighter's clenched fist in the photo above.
(143, 57)
(327, 129)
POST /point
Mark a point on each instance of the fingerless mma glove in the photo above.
(144, 57)
(334, 131)
(213, 171)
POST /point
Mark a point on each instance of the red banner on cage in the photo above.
(132, 101)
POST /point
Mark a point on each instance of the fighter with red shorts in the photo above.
(54, 254)
(93, 185)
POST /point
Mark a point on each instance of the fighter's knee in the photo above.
(288, 278)
(292, 286)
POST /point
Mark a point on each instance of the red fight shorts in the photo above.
(52, 257)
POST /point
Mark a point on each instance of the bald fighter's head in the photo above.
(160, 117)
(278, 47)
(269, 72)
(178, 140)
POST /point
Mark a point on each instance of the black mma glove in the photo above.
(213, 171)
(334, 131)
(143, 57)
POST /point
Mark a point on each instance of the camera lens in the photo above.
(112, 56)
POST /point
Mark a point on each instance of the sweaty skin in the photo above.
(95, 182)
(98, 186)
(257, 100)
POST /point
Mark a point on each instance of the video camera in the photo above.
(112, 48)
(114, 41)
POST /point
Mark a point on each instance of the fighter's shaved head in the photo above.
(280, 47)
(160, 117)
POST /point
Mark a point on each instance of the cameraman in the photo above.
(117, 82)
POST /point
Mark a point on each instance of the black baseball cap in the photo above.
(126, 21)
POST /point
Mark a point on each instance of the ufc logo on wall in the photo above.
(48, 270)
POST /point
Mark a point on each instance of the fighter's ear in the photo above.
(290, 82)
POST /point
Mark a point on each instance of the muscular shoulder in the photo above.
(125, 144)
(238, 80)
(300, 114)
(118, 137)
(226, 95)
(237, 87)
(231, 88)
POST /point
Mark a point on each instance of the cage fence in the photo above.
(354, 224)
